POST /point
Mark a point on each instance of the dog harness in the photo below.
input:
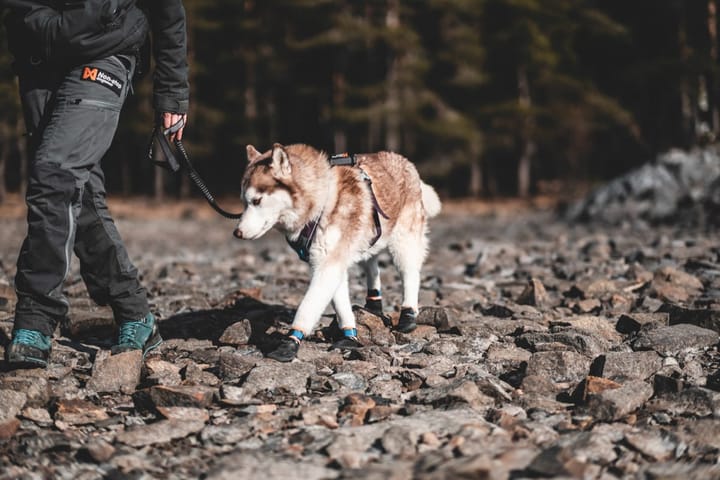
(302, 243)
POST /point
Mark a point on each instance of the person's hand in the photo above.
(169, 119)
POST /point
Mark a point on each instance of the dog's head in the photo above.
(266, 192)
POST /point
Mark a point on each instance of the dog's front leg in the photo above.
(346, 316)
(323, 285)
(342, 305)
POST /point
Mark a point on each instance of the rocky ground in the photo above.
(545, 350)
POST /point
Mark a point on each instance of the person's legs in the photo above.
(75, 130)
(105, 266)
(109, 275)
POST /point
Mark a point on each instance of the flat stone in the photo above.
(279, 378)
(238, 333)
(79, 412)
(36, 388)
(234, 366)
(633, 322)
(639, 365)
(700, 317)
(673, 339)
(616, 403)
(259, 465)
(159, 432)
(195, 396)
(116, 373)
(188, 414)
(563, 366)
(8, 428)
(658, 445)
(161, 372)
(99, 450)
(12, 403)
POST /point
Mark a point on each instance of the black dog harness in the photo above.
(302, 244)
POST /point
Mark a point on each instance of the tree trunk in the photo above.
(4, 155)
(392, 102)
(712, 81)
(339, 87)
(476, 170)
(374, 126)
(528, 144)
(687, 110)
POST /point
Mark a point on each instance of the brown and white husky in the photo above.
(336, 213)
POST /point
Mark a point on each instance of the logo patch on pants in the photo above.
(106, 79)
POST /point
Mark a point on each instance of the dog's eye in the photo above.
(256, 201)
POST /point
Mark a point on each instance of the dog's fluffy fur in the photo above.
(289, 186)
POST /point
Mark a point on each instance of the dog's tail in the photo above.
(430, 200)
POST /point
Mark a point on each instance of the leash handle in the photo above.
(171, 163)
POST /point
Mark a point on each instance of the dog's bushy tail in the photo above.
(430, 200)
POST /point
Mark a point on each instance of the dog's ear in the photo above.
(280, 160)
(252, 154)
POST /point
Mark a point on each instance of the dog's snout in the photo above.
(238, 233)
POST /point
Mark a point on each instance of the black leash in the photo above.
(172, 164)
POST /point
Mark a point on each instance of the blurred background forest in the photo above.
(489, 98)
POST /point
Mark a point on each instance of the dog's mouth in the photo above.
(239, 233)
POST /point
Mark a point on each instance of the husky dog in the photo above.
(336, 212)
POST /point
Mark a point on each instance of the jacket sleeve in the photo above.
(171, 90)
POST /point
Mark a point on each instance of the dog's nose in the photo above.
(238, 233)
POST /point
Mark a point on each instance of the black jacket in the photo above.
(66, 33)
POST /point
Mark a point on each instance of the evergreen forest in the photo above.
(489, 98)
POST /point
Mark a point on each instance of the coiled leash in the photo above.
(171, 163)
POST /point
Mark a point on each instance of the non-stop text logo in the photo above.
(101, 77)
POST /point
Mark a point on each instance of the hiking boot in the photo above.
(140, 334)
(28, 349)
(407, 321)
(286, 350)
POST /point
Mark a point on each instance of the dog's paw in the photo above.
(347, 343)
(407, 321)
(285, 351)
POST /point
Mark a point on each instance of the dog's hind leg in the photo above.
(343, 307)
(373, 300)
(346, 317)
(408, 252)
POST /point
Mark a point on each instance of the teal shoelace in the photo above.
(31, 337)
(128, 333)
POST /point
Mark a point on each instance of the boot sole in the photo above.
(16, 362)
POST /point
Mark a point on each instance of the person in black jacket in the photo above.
(75, 61)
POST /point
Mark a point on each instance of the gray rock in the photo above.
(633, 322)
(614, 404)
(12, 403)
(563, 366)
(159, 432)
(116, 373)
(277, 378)
(625, 365)
(237, 334)
(257, 465)
(674, 339)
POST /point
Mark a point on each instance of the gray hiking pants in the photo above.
(71, 118)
